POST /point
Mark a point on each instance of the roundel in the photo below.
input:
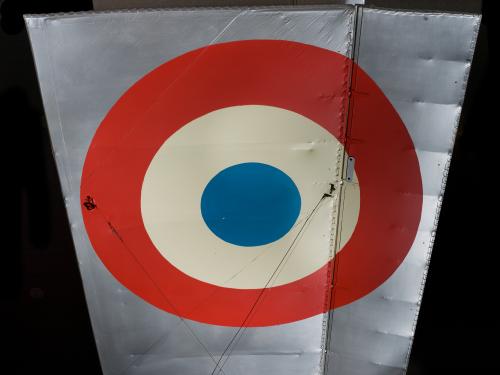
(207, 188)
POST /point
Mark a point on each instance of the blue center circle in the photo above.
(250, 204)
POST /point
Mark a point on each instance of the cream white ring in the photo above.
(191, 157)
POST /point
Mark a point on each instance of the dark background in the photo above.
(44, 322)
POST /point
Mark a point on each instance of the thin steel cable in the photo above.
(176, 311)
(242, 327)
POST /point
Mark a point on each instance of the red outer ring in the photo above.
(302, 78)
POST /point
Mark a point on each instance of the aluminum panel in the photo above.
(421, 61)
(85, 62)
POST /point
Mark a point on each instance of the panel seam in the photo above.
(327, 327)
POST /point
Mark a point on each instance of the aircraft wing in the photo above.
(253, 190)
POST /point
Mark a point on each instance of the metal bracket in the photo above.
(350, 169)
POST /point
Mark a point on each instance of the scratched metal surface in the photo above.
(140, 4)
(421, 61)
(85, 62)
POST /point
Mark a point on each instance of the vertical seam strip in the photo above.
(344, 119)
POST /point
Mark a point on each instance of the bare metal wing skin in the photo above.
(421, 61)
(254, 190)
